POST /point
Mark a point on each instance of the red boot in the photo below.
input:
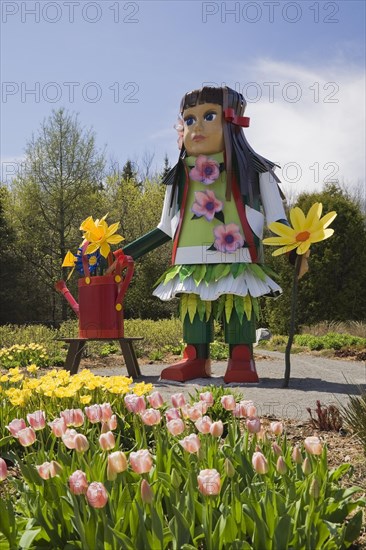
(189, 368)
(241, 366)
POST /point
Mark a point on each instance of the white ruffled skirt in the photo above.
(244, 284)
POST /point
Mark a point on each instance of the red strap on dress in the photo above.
(248, 234)
(182, 208)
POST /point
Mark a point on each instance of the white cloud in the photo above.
(320, 136)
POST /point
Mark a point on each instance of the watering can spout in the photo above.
(62, 288)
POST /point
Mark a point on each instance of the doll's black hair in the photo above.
(240, 159)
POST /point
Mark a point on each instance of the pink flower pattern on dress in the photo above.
(206, 204)
(206, 170)
(228, 238)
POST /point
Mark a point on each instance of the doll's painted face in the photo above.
(203, 132)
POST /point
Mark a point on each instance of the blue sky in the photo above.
(124, 66)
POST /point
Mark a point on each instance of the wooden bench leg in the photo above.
(130, 358)
(73, 357)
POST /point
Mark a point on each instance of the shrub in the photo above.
(354, 416)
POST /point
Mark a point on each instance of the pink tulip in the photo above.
(110, 425)
(306, 466)
(172, 414)
(296, 455)
(69, 438)
(106, 411)
(178, 400)
(94, 413)
(117, 463)
(217, 428)
(155, 399)
(276, 428)
(26, 437)
(147, 494)
(78, 483)
(58, 427)
(135, 403)
(3, 470)
(96, 495)
(245, 409)
(228, 402)
(81, 443)
(112, 422)
(141, 461)
(281, 466)
(239, 411)
(313, 445)
(207, 397)
(107, 441)
(151, 417)
(191, 443)
(259, 463)
(253, 425)
(276, 449)
(195, 411)
(49, 469)
(175, 426)
(73, 417)
(250, 409)
(204, 424)
(16, 425)
(209, 482)
(37, 420)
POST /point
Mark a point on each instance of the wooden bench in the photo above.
(77, 345)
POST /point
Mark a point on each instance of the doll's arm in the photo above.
(146, 243)
(271, 199)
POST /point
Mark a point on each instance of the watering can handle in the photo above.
(122, 262)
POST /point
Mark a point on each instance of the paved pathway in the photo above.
(312, 378)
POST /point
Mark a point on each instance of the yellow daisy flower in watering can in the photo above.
(99, 235)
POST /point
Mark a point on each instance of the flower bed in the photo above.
(137, 472)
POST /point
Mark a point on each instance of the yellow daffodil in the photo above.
(69, 260)
(100, 235)
(305, 230)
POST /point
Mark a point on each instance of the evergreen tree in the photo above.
(128, 173)
(166, 168)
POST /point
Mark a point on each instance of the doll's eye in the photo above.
(189, 120)
(210, 116)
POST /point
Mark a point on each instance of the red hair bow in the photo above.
(230, 116)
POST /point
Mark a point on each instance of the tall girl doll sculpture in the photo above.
(213, 212)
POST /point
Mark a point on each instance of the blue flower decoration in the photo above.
(93, 260)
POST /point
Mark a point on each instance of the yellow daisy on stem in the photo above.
(305, 231)
(99, 235)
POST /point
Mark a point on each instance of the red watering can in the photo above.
(100, 309)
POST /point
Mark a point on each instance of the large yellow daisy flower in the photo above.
(305, 230)
(100, 235)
